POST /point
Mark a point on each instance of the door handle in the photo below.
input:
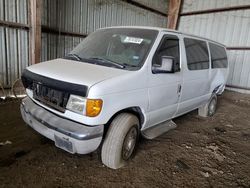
(179, 88)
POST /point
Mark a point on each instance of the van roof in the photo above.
(167, 30)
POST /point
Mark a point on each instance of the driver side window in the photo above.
(169, 46)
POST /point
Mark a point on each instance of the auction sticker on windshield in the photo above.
(133, 40)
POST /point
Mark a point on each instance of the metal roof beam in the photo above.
(140, 5)
(35, 11)
(173, 13)
(14, 25)
(215, 10)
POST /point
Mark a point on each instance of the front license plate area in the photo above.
(64, 144)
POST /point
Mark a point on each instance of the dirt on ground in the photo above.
(200, 152)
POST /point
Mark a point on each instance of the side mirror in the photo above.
(168, 65)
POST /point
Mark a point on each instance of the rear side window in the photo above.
(218, 56)
(197, 54)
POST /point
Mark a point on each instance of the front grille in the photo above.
(51, 97)
(51, 92)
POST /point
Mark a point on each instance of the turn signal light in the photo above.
(93, 107)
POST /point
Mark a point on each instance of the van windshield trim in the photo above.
(130, 49)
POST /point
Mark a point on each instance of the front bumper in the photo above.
(67, 134)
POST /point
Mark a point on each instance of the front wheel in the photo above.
(120, 141)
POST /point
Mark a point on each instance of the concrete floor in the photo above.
(200, 152)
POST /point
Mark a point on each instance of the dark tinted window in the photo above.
(218, 56)
(197, 54)
(168, 47)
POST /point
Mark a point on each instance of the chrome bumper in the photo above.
(67, 134)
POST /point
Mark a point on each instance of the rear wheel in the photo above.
(212, 105)
(120, 141)
(209, 109)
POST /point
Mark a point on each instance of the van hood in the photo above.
(75, 72)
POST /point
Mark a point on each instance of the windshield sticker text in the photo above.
(133, 40)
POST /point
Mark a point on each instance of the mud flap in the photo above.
(203, 110)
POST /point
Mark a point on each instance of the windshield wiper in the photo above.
(129, 65)
(75, 56)
(108, 61)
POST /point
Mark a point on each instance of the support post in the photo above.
(35, 11)
(173, 13)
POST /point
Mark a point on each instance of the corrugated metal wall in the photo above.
(54, 46)
(194, 5)
(85, 16)
(160, 5)
(231, 28)
(13, 42)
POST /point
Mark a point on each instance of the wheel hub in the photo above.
(129, 143)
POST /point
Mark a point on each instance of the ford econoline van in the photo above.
(119, 83)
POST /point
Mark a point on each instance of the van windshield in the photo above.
(124, 48)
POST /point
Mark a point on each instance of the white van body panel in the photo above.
(160, 97)
(83, 73)
(218, 77)
(128, 90)
(195, 85)
(103, 90)
(155, 94)
(162, 91)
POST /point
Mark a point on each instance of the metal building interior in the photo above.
(210, 152)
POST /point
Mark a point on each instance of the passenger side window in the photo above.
(169, 47)
(197, 54)
(218, 56)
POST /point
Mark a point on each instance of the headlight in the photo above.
(81, 105)
(77, 104)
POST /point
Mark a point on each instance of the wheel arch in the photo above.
(135, 110)
(219, 89)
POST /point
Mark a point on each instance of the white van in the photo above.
(119, 83)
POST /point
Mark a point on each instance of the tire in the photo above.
(120, 141)
(208, 109)
(212, 105)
